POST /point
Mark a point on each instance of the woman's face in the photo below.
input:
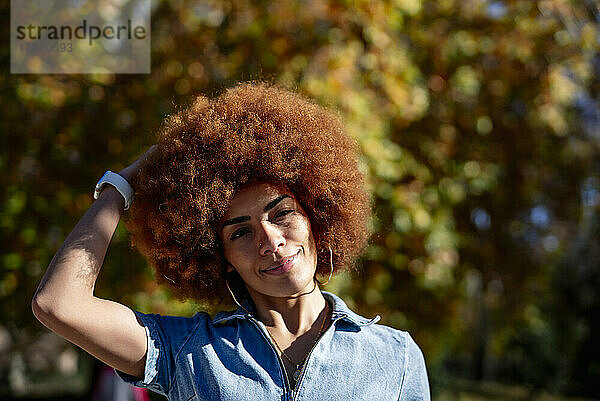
(267, 238)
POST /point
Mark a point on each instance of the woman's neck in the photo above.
(295, 315)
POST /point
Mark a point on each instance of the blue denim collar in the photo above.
(340, 311)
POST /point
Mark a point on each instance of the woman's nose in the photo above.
(270, 240)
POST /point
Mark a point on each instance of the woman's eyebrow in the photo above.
(235, 220)
(274, 202)
(269, 206)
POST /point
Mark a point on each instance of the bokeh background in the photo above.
(479, 123)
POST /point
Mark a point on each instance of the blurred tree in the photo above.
(467, 113)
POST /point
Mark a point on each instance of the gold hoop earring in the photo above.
(171, 280)
(330, 272)
(231, 293)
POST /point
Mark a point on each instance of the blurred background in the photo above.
(479, 123)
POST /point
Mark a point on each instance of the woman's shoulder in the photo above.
(401, 337)
(182, 326)
(370, 328)
(172, 320)
(171, 329)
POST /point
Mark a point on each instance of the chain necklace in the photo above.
(298, 370)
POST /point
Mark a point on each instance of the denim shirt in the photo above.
(232, 357)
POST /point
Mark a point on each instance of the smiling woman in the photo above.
(206, 153)
(272, 222)
(246, 198)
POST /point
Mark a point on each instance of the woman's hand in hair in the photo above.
(131, 171)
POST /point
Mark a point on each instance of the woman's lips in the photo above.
(284, 267)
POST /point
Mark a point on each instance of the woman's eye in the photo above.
(238, 233)
(283, 213)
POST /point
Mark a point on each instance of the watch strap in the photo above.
(117, 181)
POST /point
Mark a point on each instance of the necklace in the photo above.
(298, 370)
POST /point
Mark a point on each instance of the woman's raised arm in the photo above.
(65, 302)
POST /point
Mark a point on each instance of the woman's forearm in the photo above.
(65, 302)
(71, 276)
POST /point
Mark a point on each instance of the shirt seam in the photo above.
(283, 375)
(189, 335)
(174, 375)
(405, 368)
(155, 355)
(331, 327)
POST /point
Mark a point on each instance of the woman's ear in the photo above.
(229, 268)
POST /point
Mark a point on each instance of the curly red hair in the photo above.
(253, 132)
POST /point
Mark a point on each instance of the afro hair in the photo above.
(253, 132)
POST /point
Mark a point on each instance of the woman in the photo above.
(250, 195)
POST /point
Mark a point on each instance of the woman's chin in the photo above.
(287, 289)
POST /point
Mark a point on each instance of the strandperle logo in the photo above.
(80, 37)
(83, 31)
